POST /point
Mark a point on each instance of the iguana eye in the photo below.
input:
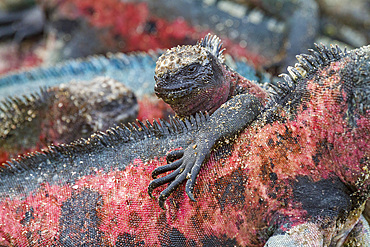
(192, 68)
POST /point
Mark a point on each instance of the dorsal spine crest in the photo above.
(213, 45)
(125, 134)
(307, 65)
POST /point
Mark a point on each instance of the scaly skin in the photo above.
(297, 175)
(63, 114)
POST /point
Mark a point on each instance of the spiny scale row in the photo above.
(11, 104)
(213, 44)
(131, 133)
(307, 64)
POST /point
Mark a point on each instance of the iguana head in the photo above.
(191, 78)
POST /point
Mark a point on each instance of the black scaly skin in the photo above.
(238, 113)
(67, 162)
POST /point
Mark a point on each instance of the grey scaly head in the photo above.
(191, 78)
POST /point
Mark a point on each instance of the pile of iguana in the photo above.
(297, 174)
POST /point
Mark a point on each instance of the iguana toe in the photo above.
(174, 155)
(172, 186)
(163, 180)
(166, 168)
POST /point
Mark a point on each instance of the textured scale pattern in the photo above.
(181, 56)
(62, 114)
(301, 169)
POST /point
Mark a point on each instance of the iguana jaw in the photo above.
(171, 93)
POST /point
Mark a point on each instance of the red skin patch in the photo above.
(4, 156)
(150, 107)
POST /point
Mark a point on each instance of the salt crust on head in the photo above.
(180, 56)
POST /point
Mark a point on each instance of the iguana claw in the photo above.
(187, 168)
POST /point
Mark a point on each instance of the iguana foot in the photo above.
(187, 167)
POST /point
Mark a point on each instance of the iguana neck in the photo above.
(239, 84)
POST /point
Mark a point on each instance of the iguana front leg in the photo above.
(225, 122)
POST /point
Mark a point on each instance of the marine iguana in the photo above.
(300, 178)
(195, 78)
(176, 77)
(62, 114)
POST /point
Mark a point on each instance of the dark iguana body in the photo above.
(229, 121)
(188, 167)
(292, 180)
(63, 114)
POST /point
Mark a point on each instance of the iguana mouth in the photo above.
(173, 92)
